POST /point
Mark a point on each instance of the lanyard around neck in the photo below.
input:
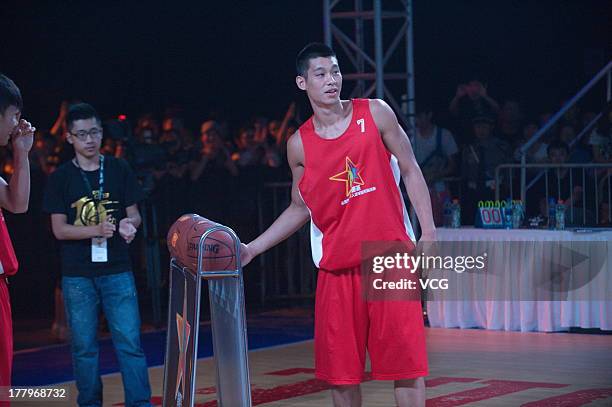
(90, 189)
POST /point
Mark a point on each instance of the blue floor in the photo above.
(50, 365)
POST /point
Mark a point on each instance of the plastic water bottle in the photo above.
(517, 215)
(560, 216)
(456, 214)
(552, 213)
(507, 210)
(447, 213)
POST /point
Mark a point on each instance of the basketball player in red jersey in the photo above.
(346, 161)
(14, 197)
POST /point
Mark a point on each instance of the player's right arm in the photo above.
(292, 218)
(64, 231)
(15, 195)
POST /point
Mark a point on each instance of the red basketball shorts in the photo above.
(6, 336)
(346, 324)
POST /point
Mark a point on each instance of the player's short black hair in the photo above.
(311, 51)
(81, 111)
(9, 94)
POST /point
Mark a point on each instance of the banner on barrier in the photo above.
(181, 344)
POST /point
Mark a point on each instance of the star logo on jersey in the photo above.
(350, 176)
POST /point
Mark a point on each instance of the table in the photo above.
(590, 306)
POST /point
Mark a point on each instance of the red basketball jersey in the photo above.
(351, 188)
(8, 260)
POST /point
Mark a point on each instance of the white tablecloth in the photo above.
(517, 315)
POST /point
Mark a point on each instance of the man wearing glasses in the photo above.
(92, 200)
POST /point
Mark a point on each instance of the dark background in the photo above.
(236, 57)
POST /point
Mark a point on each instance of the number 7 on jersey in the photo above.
(361, 122)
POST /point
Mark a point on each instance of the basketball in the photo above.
(218, 250)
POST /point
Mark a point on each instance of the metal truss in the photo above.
(380, 64)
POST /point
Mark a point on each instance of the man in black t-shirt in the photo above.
(92, 200)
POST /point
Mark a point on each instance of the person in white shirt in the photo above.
(436, 151)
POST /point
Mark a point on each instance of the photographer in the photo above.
(471, 100)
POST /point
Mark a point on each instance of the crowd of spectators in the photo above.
(184, 171)
(482, 134)
(216, 172)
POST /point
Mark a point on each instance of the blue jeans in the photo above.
(116, 294)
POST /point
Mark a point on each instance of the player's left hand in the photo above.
(427, 246)
(246, 255)
(23, 136)
(427, 243)
(428, 236)
(127, 230)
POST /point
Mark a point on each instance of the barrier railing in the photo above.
(591, 189)
(606, 72)
(287, 270)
